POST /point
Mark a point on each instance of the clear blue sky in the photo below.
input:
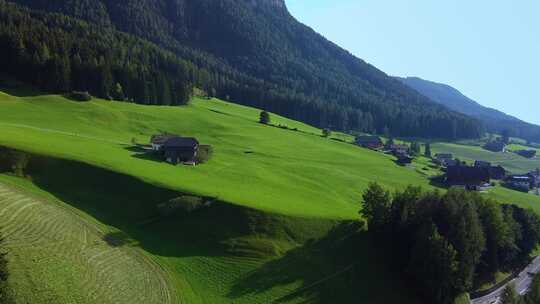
(489, 50)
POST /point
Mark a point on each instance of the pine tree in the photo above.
(264, 118)
(427, 150)
(510, 296)
(376, 205)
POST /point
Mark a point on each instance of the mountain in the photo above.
(251, 52)
(495, 121)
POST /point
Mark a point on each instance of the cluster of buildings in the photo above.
(376, 143)
(525, 182)
(175, 149)
(476, 177)
(480, 175)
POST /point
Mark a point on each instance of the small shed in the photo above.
(370, 142)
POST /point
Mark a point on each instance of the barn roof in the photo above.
(181, 142)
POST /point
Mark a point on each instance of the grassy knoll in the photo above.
(264, 167)
(512, 162)
(56, 256)
(222, 254)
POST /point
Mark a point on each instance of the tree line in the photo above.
(448, 244)
(275, 63)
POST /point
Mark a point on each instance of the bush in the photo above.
(79, 96)
(204, 154)
(264, 118)
(13, 161)
(326, 132)
(181, 205)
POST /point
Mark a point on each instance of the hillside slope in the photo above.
(250, 51)
(496, 121)
(66, 218)
(289, 172)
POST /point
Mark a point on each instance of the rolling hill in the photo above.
(286, 215)
(495, 121)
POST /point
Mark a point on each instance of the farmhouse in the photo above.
(399, 150)
(526, 153)
(520, 182)
(495, 146)
(370, 142)
(445, 159)
(404, 160)
(180, 150)
(470, 177)
(495, 172)
(159, 140)
(535, 177)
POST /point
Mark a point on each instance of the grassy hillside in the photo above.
(281, 224)
(222, 254)
(268, 168)
(510, 161)
(58, 256)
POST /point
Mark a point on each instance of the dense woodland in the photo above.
(248, 51)
(60, 54)
(447, 244)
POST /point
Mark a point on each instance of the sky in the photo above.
(489, 50)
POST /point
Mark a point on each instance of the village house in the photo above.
(370, 142)
(399, 150)
(176, 149)
(157, 141)
(445, 159)
(472, 178)
(535, 176)
(520, 182)
(495, 146)
(404, 160)
(179, 150)
(495, 172)
(526, 153)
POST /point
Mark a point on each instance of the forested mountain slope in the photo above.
(249, 51)
(496, 121)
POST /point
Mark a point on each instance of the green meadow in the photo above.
(295, 173)
(510, 161)
(284, 228)
(77, 233)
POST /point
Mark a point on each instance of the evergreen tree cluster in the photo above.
(446, 242)
(60, 54)
(247, 51)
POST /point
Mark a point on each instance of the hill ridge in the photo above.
(496, 121)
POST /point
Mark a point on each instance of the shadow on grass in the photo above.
(341, 267)
(124, 202)
(141, 152)
(118, 239)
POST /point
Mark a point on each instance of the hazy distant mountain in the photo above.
(495, 121)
